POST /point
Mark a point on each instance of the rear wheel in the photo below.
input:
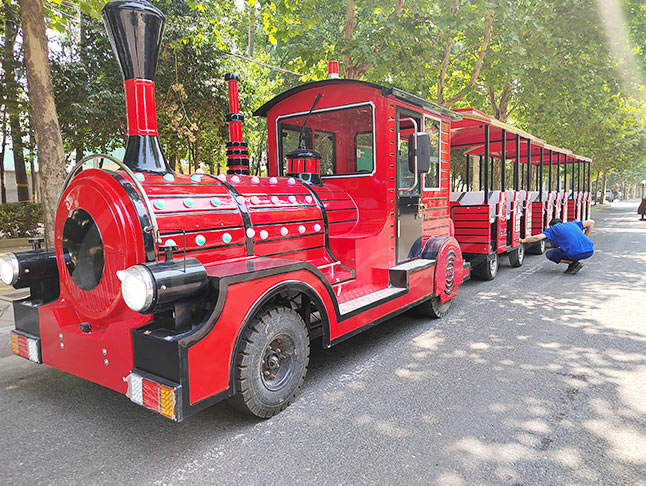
(517, 256)
(434, 307)
(489, 269)
(271, 362)
(539, 247)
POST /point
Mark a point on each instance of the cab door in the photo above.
(409, 190)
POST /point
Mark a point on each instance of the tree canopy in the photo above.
(573, 73)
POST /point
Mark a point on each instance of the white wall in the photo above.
(12, 190)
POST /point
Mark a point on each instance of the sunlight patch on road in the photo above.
(627, 443)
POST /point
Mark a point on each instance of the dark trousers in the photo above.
(556, 255)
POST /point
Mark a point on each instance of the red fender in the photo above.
(449, 267)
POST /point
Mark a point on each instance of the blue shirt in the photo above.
(570, 238)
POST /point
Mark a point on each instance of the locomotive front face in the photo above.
(98, 233)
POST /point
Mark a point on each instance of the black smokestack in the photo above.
(135, 30)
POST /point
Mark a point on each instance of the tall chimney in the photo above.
(237, 153)
(135, 30)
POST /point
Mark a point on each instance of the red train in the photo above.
(182, 290)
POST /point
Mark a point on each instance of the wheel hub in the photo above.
(493, 265)
(277, 362)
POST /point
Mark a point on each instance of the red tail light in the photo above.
(26, 347)
(158, 397)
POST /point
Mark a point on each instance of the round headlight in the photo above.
(9, 268)
(137, 288)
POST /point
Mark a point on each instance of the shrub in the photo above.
(20, 220)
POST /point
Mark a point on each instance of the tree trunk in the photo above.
(348, 34)
(446, 57)
(484, 47)
(51, 156)
(251, 34)
(32, 166)
(172, 161)
(18, 151)
(78, 153)
(3, 187)
(596, 188)
(500, 109)
(12, 101)
(603, 187)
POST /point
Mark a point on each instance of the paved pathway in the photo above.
(536, 378)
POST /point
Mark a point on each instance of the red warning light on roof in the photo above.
(333, 70)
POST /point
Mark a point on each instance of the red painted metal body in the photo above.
(352, 227)
(337, 240)
(140, 106)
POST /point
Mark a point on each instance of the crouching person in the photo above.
(571, 241)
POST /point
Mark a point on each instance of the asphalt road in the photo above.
(536, 378)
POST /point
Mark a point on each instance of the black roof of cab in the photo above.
(397, 93)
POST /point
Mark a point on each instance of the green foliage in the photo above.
(544, 65)
(89, 91)
(20, 220)
(571, 92)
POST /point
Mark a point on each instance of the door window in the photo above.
(432, 177)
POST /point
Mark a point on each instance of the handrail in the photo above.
(126, 169)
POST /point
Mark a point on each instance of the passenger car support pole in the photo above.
(503, 157)
(540, 177)
(486, 165)
(529, 164)
(549, 173)
(517, 166)
(467, 172)
(573, 177)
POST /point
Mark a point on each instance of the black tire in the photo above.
(539, 247)
(268, 378)
(489, 269)
(517, 256)
(434, 307)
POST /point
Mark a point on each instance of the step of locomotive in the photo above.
(370, 300)
(398, 275)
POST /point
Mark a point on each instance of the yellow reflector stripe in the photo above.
(167, 401)
(14, 344)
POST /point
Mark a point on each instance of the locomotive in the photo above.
(182, 290)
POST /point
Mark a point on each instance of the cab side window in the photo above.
(432, 177)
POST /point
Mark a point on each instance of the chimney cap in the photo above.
(134, 28)
(133, 5)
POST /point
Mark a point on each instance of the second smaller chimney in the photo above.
(237, 153)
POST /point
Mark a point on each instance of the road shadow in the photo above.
(543, 386)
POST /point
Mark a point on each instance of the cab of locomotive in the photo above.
(383, 147)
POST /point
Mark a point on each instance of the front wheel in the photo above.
(434, 307)
(517, 256)
(271, 362)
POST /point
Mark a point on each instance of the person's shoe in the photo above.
(574, 267)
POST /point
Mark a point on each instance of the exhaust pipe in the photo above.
(135, 29)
